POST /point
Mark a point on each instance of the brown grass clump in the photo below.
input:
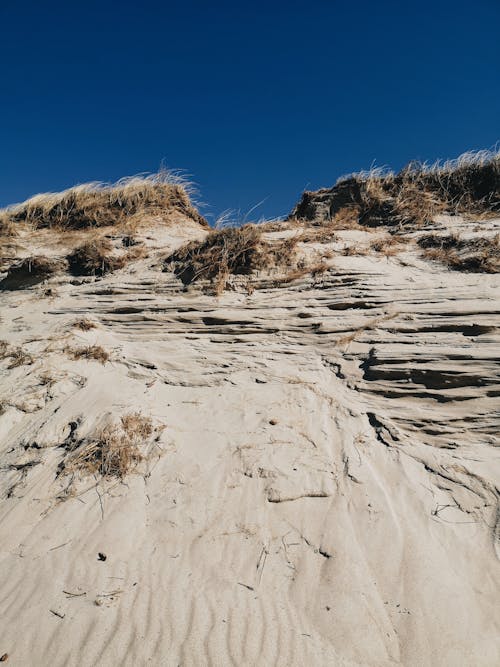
(347, 217)
(469, 185)
(137, 252)
(84, 324)
(20, 358)
(7, 228)
(95, 352)
(388, 245)
(114, 451)
(17, 356)
(230, 251)
(314, 270)
(94, 258)
(472, 255)
(31, 271)
(97, 205)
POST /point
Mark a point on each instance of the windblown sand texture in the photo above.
(316, 479)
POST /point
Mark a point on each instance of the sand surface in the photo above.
(322, 488)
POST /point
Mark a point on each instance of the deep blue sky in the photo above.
(255, 100)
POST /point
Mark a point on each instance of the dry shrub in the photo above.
(347, 217)
(414, 196)
(414, 204)
(20, 358)
(17, 356)
(96, 204)
(388, 245)
(95, 352)
(114, 451)
(31, 271)
(94, 258)
(137, 252)
(7, 227)
(230, 251)
(84, 324)
(47, 379)
(472, 255)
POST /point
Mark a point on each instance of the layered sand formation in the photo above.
(269, 446)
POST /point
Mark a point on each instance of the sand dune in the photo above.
(321, 483)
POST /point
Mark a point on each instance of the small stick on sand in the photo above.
(250, 588)
(60, 545)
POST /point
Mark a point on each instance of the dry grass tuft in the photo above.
(84, 324)
(471, 255)
(97, 257)
(20, 358)
(347, 217)
(94, 258)
(17, 356)
(354, 251)
(469, 185)
(31, 271)
(95, 352)
(7, 228)
(114, 451)
(100, 204)
(313, 270)
(388, 245)
(230, 251)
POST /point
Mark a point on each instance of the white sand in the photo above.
(312, 500)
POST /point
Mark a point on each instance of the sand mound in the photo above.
(102, 204)
(301, 469)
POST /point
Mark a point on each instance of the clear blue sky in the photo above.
(256, 100)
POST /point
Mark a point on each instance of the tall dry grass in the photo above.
(100, 204)
(468, 185)
(229, 251)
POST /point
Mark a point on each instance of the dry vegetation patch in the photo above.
(113, 451)
(100, 204)
(84, 324)
(388, 245)
(95, 258)
(31, 271)
(17, 356)
(230, 251)
(95, 352)
(414, 196)
(473, 255)
(314, 270)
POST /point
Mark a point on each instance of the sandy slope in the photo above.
(324, 492)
